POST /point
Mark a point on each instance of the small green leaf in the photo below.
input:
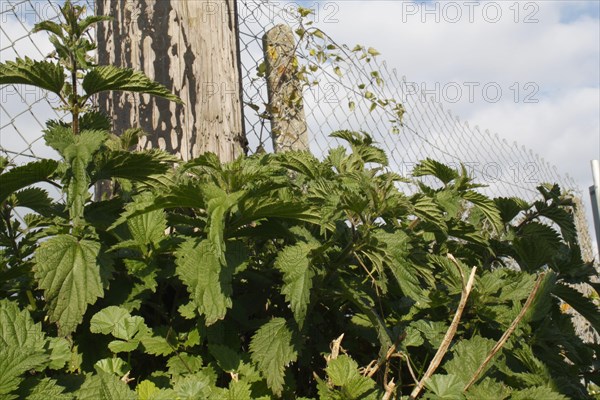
(43, 389)
(343, 372)
(294, 263)
(115, 366)
(23, 176)
(107, 319)
(272, 348)
(104, 386)
(208, 282)
(445, 386)
(67, 269)
(43, 74)
(104, 78)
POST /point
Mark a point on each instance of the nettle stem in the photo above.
(74, 97)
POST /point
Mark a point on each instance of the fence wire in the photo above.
(428, 129)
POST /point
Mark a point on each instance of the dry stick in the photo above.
(441, 352)
(507, 334)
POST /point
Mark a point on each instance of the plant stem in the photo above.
(74, 98)
(506, 334)
(441, 352)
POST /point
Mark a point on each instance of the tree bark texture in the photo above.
(191, 47)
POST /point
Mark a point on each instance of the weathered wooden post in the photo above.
(288, 123)
(191, 47)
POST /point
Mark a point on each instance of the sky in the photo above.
(526, 70)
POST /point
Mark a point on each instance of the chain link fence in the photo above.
(427, 129)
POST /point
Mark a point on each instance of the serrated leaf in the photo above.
(15, 361)
(433, 331)
(427, 209)
(488, 389)
(208, 282)
(467, 356)
(43, 74)
(134, 166)
(486, 206)
(67, 269)
(434, 168)
(115, 366)
(580, 303)
(510, 207)
(108, 77)
(227, 358)
(122, 346)
(104, 386)
(343, 372)
(238, 390)
(43, 389)
(157, 345)
(183, 363)
(445, 386)
(272, 349)
(17, 328)
(21, 346)
(294, 263)
(104, 321)
(193, 387)
(147, 390)
(60, 352)
(23, 176)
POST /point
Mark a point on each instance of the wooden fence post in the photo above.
(286, 109)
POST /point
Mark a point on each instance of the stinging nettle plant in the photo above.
(273, 276)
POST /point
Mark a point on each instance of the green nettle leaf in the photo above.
(108, 77)
(486, 206)
(148, 228)
(343, 372)
(60, 352)
(445, 386)
(468, 355)
(104, 386)
(580, 303)
(106, 320)
(208, 282)
(157, 345)
(294, 263)
(17, 328)
(21, 346)
(193, 387)
(426, 208)
(238, 390)
(272, 349)
(23, 176)
(488, 389)
(79, 154)
(119, 323)
(43, 389)
(43, 74)
(143, 167)
(227, 358)
(433, 331)
(435, 168)
(15, 361)
(67, 269)
(115, 366)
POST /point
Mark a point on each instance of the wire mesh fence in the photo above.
(336, 102)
